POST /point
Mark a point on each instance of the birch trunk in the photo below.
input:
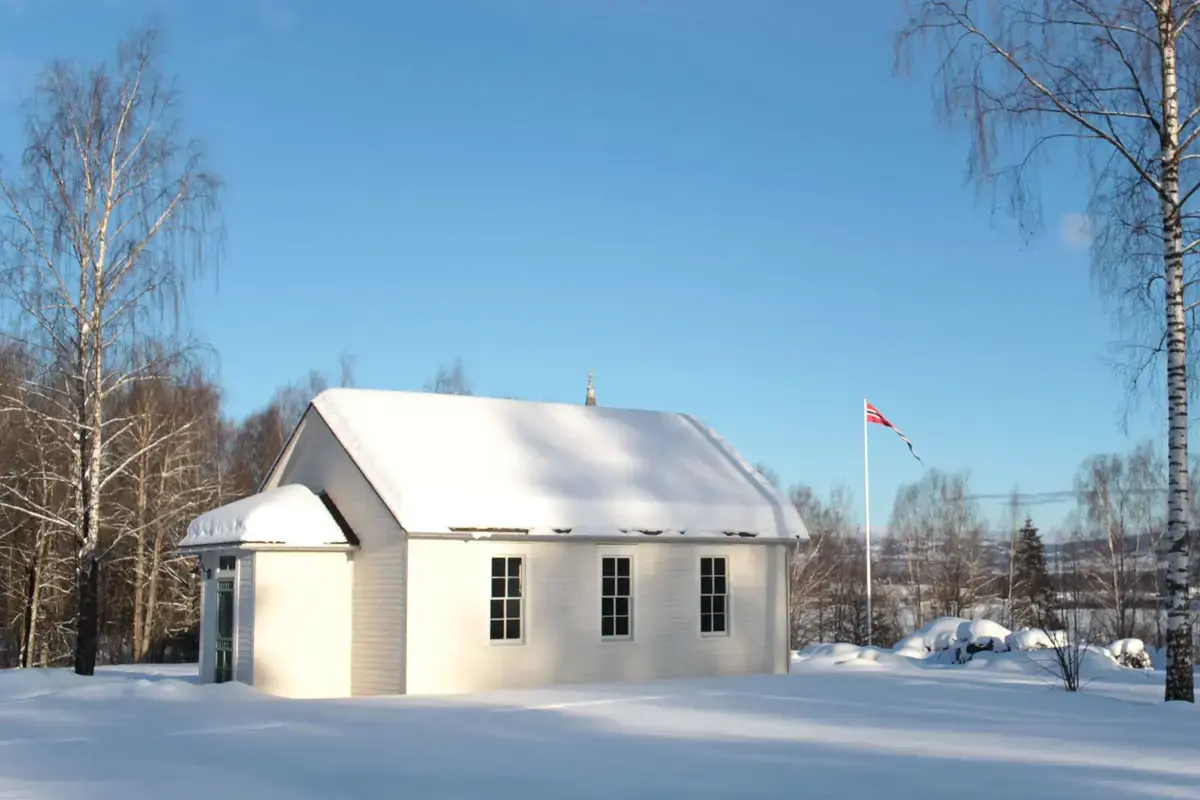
(1179, 683)
(139, 560)
(85, 612)
(34, 606)
(151, 596)
(31, 596)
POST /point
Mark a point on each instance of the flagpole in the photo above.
(867, 497)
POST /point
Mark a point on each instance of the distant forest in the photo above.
(941, 556)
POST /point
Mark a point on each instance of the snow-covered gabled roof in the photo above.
(287, 515)
(454, 464)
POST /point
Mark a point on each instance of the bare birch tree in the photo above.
(105, 222)
(164, 488)
(1120, 79)
(1119, 532)
(818, 563)
(911, 526)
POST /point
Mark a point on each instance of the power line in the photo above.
(1060, 496)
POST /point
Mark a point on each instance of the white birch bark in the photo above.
(1180, 682)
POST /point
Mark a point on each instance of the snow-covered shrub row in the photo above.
(954, 640)
(957, 640)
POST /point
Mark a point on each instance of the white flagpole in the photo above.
(867, 497)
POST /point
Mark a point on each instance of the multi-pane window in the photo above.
(616, 597)
(506, 599)
(714, 595)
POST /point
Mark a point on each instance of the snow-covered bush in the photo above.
(979, 636)
(1036, 639)
(1139, 660)
(1131, 653)
(954, 640)
(932, 637)
(984, 634)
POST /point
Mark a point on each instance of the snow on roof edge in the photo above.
(770, 492)
(289, 515)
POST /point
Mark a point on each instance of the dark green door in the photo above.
(223, 667)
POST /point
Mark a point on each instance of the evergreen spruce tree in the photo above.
(1031, 591)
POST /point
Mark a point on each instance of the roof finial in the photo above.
(591, 392)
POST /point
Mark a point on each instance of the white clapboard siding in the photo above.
(244, 604)
(302, 632)
(378, 620)
(316, 459)
(449, 590)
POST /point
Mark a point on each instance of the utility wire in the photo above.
(1060, 496)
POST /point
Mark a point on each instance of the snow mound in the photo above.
(840, 654)
(935, 636)
(982, 631)
(1031, 639)
(111, 684)
(1099, 659)
(1010, 663)
(97, 689)
(23, 684)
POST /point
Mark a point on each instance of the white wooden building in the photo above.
(422, 543)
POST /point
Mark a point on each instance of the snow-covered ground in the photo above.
(847, 723)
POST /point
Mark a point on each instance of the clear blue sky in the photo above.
(728, 209)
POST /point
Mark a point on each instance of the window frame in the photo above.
(727, 632)
(523, 599)
(632, 597)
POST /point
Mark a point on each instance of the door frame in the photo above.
(225, 572)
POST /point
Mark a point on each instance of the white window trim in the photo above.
(602, 553)
(487, 626)
(728, 632)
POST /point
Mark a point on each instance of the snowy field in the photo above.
(847, 723)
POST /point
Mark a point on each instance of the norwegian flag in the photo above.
(874, 416)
